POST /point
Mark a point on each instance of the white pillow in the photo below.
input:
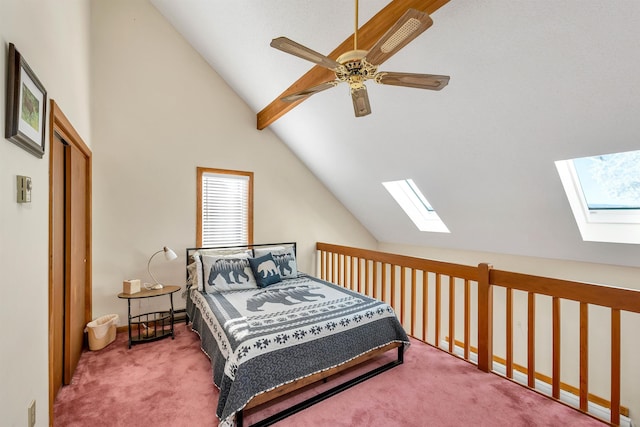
(192, 274)
(222, 251)
(227, 273)
(284, 257)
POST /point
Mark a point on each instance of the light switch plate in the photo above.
(31, 422)
(24, 189)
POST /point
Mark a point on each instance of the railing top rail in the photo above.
(596, 294)
(449, 269)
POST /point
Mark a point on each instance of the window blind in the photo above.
(225, 209)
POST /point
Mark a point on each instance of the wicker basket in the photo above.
(102, 331)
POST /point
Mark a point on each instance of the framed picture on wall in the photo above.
(26, 105)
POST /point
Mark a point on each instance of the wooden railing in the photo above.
(407, 284)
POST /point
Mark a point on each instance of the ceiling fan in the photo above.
(356, 66)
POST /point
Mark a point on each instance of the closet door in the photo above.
(69, 250)
(76, 256)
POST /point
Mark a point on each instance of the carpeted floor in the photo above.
(168, 383)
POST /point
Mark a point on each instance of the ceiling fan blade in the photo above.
(289, 46)
(310, 91)
(409, 26)
(360, 99)
(420, 81)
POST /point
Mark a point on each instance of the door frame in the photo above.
(58, 123)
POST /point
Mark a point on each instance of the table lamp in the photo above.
(169, 255)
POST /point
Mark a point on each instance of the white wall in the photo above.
(159, 111)
(53, 37)
(599, 318)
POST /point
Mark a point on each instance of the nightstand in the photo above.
(154, 325)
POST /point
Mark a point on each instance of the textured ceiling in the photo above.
(531, 82)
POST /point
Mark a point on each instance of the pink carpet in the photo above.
(168, 383)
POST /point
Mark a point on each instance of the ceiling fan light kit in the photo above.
(357, 66)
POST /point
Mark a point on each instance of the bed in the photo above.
(269, 329)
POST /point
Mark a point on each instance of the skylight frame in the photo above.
(609, 225)
(413, 202)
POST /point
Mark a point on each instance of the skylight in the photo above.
(611, 181)
(415, 205)
(604, 194)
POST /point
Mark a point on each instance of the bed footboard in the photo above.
(288, 388)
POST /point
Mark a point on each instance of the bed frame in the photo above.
(286, 389)
(313, 379)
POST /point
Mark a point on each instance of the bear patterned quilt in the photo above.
(258, 339)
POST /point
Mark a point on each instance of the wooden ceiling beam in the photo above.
(368, 34)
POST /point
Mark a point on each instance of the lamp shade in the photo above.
(169, 255)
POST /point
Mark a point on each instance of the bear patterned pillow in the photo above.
(264, 270)
(284, 258)
(227, 273)
(217, 252)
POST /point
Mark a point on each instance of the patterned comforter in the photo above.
(258, 339)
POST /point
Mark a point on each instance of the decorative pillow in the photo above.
(227, 272)
(197, 281)
(199, 277)
(192, 275)
(264, 270)
(284, 257)
(223, 251)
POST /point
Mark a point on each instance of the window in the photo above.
(225, 208)
(611, 181)
(604, 195)
(415, 205)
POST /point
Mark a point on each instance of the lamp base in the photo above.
(157, 286)
(151, 286)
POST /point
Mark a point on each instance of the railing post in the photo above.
(485, 318)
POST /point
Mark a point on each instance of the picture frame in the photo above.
(26, 105)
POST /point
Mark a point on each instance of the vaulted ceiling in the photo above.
(532, 82)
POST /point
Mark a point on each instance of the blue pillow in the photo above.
(284, 257)
(264, 270)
